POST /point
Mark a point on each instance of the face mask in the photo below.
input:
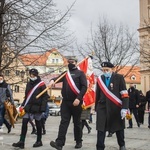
(107, 74)
(1, 81)
(33, 79)
(71, 66)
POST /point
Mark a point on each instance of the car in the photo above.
(54, 110)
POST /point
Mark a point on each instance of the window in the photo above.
(133, 77)
(7, 72)
(16, 88)
(17, 72)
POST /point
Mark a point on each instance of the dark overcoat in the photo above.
(108, 113)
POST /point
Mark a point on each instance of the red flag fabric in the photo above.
(87, 67)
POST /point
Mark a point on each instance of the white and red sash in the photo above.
(71, 83)
(32, 91)
(108, 93)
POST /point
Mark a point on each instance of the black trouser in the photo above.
(68, 110)
(134, 111)
(84, 123)
(101, 139)
(25, 128)
(141, 116)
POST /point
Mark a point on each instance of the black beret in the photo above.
(73, 59)
(34, 72)
(107, 64)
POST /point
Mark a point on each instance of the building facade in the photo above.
(144, 37)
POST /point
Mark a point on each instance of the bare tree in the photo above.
(30, 26)
(112, 43)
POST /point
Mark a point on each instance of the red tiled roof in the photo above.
(38, 59)
(130, 73)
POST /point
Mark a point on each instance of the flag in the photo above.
(87, 67)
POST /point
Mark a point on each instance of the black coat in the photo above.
(35, 105)
(80, 81)
(108, 114)
(134, 97)
(142, 102)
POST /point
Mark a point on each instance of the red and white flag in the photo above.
(87, 67)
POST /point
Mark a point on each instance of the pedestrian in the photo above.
(5, 94)
(84, 117)
(134, 99)
(44, 118)
(33, 127)
(111, 106)
(33, 108)
(148, 101)
(141, 109)
(73, 89)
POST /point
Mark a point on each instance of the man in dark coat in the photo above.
(148, 101)
(134, 98)
(111, 106)
(73, 89)
(33, 108)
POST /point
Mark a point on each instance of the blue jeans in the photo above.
(2, 118)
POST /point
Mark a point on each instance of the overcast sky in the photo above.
(87, 12)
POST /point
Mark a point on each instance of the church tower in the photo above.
(144, 37)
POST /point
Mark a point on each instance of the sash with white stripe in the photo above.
(32, 91)
(109, 94)
(71, 83)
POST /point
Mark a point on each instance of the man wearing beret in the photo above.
(33, 108)
(73, 89)
(111, 106)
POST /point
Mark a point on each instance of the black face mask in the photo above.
(71, 66)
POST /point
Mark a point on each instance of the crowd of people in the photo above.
(112, 103)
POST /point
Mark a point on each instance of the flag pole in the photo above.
(47, 88)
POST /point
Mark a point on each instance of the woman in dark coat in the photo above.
(141, 109)
(111, 106)
(33, 108)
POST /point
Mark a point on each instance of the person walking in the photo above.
(44, 118)
(5, 94)
(148, 101)
(33, 108)
(111, 106)
(84, 117)
(73, 89)
(141, 109)
(134, 99)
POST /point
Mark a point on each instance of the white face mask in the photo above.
(1, 81)
(33, 79)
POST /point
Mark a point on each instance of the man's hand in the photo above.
(123, 113)
(76, 102)
(51, 84)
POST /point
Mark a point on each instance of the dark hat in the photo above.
(107, 64)
(72, 59)
(34, 72)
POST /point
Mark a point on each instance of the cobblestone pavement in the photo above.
(136, 138)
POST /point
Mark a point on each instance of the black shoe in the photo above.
(78, 145)
(54, 144)
(138, 124)
(33, 131)
(38, 144)
(44, 132)
(19, 144)
(122, 148)
(129, 127)
(89, 130)
(109, 135)
(9, 129)
(149, 127)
